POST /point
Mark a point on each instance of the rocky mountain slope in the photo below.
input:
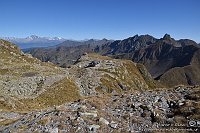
(24, 77)
(149, 111)
(95, 74)
(27, 84)
(28, 79)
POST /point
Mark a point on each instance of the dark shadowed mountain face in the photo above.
(126, 46)
(186, 75)
(164, 55)
(168, 60)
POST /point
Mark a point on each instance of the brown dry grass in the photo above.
(60, 92)
(127, 75)
(8, 121)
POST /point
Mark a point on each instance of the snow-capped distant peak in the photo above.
(32, 37)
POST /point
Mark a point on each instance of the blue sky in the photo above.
(112, 19)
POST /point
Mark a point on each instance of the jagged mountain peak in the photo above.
(166, 37)
(135, 37)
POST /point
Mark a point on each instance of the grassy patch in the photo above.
(3, 71)
(110, 84)
(59, 93)
(7, 122)
(43, 121)
(97, 56)
(125, 77)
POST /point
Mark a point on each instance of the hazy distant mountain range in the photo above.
(34, 41)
